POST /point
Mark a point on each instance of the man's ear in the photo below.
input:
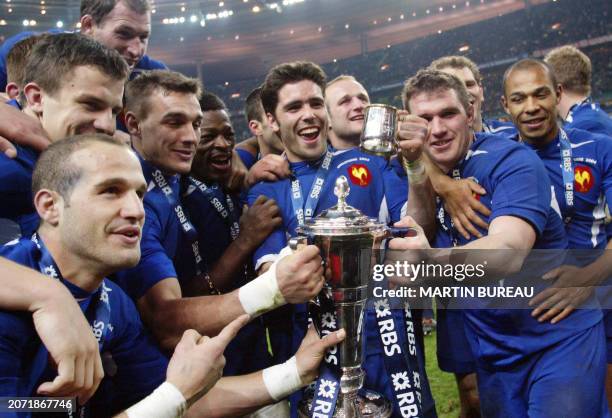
(34, 97)
(504, 104)
(559, 91)
(87, 25)
(470, 115)
(12, 90)
(49, 205)
(132, 124)
(255, 127)
(272, 122)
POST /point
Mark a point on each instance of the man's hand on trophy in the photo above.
(411, 241)
(300, 275)
(312, 351)
(412, 132)
(411, 249)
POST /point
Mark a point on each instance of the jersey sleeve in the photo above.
(148, 63)
(272, 246)
(396, 190)
(23, 358)
(521, 188)
(15, 188)
(247, 158)
(605, 153)
(155, 265)
(140, 365)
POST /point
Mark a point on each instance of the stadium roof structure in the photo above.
(235, 39)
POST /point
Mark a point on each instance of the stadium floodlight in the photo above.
(193, 18)
(59, 24)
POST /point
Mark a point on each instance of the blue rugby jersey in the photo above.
(366, 194)
(588, 116)
(517, 185)
(370, 196)
(160, 239)
(145, 63)
(247, 158)
(248, 351)
(592, 163)
(497, 127)
(16, 189)
(25, 363)
(213, 232)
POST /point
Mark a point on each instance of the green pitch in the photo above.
(442, 384)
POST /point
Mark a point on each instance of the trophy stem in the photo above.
(347, 406)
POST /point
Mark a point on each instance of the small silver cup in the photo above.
(378, 135)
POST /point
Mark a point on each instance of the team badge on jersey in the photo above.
(359, 174)
(474, 194)
(583, 179)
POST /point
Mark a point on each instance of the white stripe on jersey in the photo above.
(383, 212)
(599, 217)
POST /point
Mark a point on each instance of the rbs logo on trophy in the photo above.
(359, 175)
(583, 179)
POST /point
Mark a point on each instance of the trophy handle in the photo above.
(298, 242)
(314, 305)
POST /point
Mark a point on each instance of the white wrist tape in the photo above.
(283, 379)
(262, 294)
(415, 171)
(165, 402)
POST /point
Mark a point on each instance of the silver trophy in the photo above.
(346, 239)
(379, 130)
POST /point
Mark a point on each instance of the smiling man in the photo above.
(532, 98)
(122, 25)
(346, 100)
(294, 101)
(524, 367)
(227, 235)
(164, 117)
(72, 85)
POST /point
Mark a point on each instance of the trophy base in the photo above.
(368, 405)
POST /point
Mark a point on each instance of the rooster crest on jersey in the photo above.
(359, 174)
(583, 179)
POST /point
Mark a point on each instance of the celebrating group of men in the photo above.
(183, 300)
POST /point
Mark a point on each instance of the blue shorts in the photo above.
(607, 320)
(454, 351)
(565, 380)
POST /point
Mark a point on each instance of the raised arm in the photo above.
(295, 278)
(73, 348)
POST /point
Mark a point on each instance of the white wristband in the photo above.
(165, 402)
(283, 379)
(415, 171)
(262, 294)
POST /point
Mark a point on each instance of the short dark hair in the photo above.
(54, 58)
(430, 81)
(527, 64)
(56, 171)
(99, 9)
(254, 108)
(292, 72)
(572, 68)
(139, 90)
(210, 102)
(17, 58)
(457, 62)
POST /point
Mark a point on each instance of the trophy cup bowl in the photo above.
(346, 239)
(379, 130)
